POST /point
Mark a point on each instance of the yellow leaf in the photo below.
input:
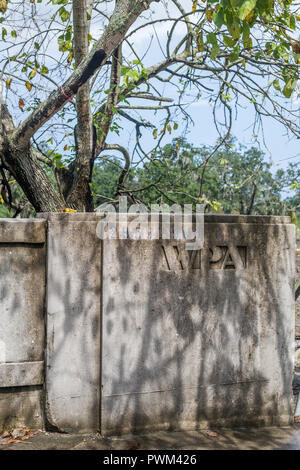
(32, 74)
(200, 44)
(250, 15)
(209, 14)
(28, 86)
(1, 200)
(68, 211)
(8, 82)
(3, 5)
(296, 47)
(195, 3)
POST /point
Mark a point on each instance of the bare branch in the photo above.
(125, 13)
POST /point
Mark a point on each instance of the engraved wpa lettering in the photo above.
(177, 258)
(224, 257)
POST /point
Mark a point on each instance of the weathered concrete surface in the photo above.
(207, 342)
(21, 406)
(22, 231)
(22, 326)
(298, 253)
(285, 438)
(73, 325)
(188, 340)
(209, 218)
(22, 288)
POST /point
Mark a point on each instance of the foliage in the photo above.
(105, 181)
(236, 180)
(230, 53)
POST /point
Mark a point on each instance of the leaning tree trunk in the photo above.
(19, 157)
(24, 166)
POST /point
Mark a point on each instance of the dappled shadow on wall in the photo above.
(192, 340)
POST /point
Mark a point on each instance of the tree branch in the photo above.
(124, 15)
(127, 163)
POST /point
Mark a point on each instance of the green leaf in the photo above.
(218, 17)
(228, 41)
(247, 41)
(44, 70)
(64, 14)
(212, 39)
(4, 33)
(233, 25)
(234, 55)
(289, 87)
(276, 85)
(68, 35)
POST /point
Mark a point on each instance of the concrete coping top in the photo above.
(209, 218)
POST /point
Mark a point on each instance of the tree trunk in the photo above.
(25, 168)
(33, 180)
(80, 195)
(16, 152)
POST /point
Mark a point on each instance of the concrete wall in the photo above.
(141, 334)
(22, 322)
(168, 341)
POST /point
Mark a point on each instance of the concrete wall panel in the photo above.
(22, 321)
(208, 343)
(73, 325)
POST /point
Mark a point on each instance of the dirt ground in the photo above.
(286, 438)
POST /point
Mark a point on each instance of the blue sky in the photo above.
(279, 148)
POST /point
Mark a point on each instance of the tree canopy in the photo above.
(73, 75)
(236, 180)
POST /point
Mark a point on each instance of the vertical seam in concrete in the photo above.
(48, 420)
(101, 334)
(43, 404)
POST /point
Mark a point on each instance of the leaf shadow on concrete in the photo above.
(208, 348)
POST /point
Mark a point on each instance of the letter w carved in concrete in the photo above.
(177, 258)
